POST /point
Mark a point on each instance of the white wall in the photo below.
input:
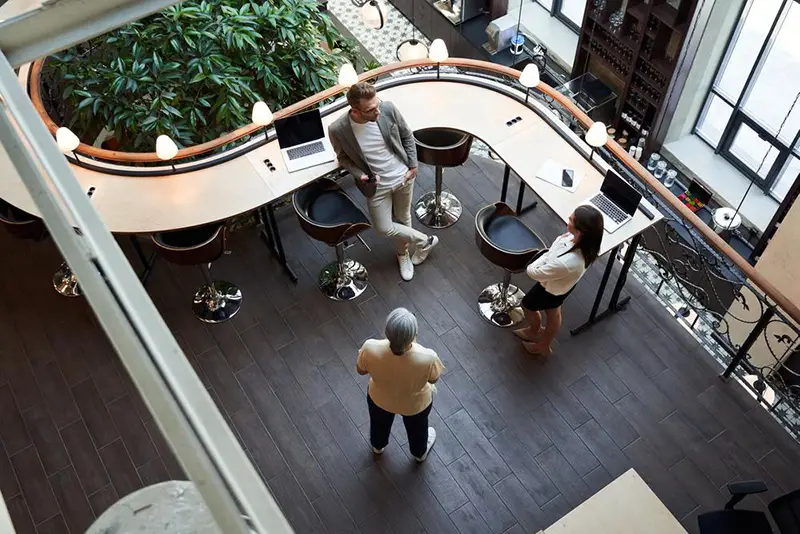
(721, 22)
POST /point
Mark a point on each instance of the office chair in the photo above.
(785, 510)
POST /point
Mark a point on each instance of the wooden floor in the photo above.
(520, 443)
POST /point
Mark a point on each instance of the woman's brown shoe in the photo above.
(525, 334)
(536, 349)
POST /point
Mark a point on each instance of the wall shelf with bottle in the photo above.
(637, 44)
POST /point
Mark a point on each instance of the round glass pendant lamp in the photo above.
(412, 49)
(373, 15)
(66, 140)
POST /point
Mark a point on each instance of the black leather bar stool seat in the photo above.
(327, 214)
(216, 301)
(507, 242)
(440, 147)
(24, 225)
(20, 223)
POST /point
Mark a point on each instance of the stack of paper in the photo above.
(552, 171)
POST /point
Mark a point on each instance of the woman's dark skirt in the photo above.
(538, 299)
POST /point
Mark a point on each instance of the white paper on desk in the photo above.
(551, 172)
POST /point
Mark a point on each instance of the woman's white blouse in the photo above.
(557, 269)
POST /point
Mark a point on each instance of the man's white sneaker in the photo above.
(422, 252)
(431, 441)
(406, 267)
(377, 451)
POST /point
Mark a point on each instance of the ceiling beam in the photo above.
(54, 25)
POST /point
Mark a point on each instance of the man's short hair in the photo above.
(360, 91)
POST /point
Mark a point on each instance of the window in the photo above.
(570, 12)
(573, 10)
(752, 114)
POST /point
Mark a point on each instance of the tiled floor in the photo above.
(520, 443)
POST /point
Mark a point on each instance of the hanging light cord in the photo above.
(764, 159)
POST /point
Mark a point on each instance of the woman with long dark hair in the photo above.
(556, 273)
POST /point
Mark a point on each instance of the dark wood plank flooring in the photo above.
(520, 443)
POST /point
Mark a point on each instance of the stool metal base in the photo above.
(65, 282)
(217, 302)
(346, 284)
(443, 215)
(500, 310)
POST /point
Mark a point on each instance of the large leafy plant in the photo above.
(193, 70)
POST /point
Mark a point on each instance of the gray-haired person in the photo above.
(401, 376)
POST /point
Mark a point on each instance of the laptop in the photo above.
(302, 140)
(617, 200)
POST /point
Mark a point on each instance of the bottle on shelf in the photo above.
(638, 151)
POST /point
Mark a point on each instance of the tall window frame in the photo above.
(556, 9)
(744, 131)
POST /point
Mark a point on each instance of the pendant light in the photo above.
(412, 48)
(373, 15)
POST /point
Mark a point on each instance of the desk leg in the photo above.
(147, 263)
(272, 237)
(600, 292)
(520, 210)
(615, 304)
(504, 191)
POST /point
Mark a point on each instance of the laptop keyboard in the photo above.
(305, 150)
(609, 208)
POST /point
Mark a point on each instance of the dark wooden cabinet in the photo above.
(636, 58)
(441, 28)
(423, 13)
(404, 6)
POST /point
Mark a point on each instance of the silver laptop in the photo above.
(617, 200)
(302, 140)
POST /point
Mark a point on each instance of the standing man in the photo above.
(375, 145)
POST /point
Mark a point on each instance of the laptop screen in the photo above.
(299, 128)
(620, 192)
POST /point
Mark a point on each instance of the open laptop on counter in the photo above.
(617, 200)
(303, 141)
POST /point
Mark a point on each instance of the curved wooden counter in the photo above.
(144, 205)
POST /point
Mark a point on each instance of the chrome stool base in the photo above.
(441, 215)
(499, 309)
(345, 284)
(65, 282)
(217, 302)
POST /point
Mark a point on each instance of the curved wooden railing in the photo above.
(758, 279)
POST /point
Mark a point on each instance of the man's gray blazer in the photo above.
(398, 136)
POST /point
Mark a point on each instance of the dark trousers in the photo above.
(380, 426)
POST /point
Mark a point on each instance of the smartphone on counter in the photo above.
(567, 177)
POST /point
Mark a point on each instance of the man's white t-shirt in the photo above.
(381, 160)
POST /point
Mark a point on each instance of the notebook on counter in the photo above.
(553, 172)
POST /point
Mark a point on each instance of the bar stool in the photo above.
(217, 300)
(441, 147)
(23, 225)
(507, 242)
(327, 214)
